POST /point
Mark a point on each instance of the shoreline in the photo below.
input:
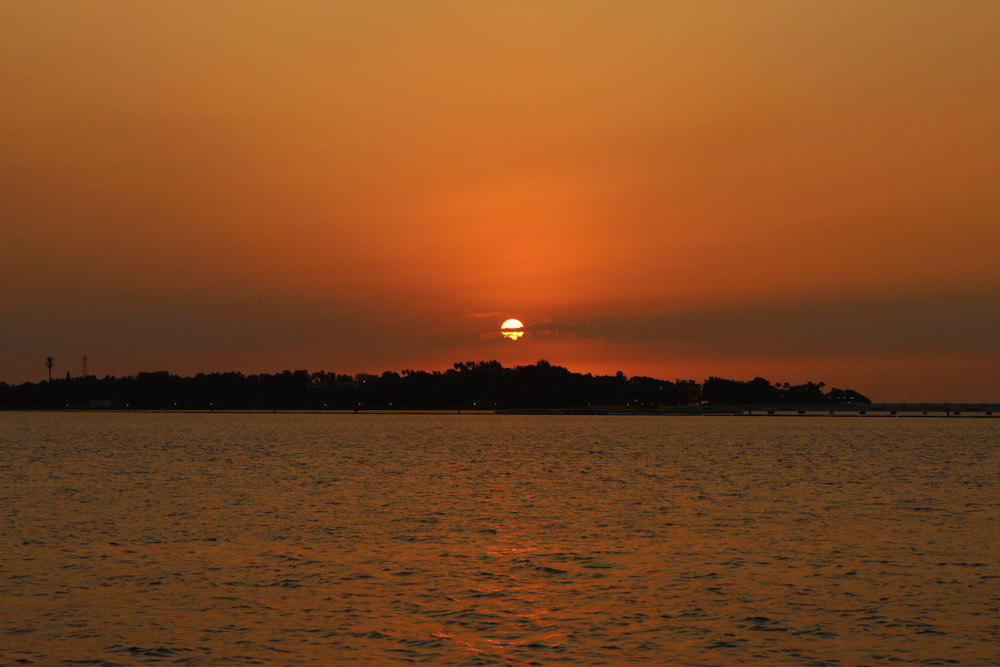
(879, 410)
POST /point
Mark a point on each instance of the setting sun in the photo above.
(512, 329)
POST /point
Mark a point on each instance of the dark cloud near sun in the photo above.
(960, 323)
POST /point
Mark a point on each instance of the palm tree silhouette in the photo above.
(48, 364)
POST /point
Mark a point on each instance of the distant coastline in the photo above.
(466, 388)
(484, 385)
(873, 411)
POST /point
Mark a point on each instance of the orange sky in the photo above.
(803, 191)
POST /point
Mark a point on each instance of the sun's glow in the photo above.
(512, 329)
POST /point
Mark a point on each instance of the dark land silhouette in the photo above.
(485, 385)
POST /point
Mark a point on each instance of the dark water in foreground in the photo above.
(497, 540)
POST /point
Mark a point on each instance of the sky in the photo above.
(795, 190)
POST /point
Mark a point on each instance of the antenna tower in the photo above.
(85, 357)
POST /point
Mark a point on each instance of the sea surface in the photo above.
(290, 539)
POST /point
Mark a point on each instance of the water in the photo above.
(219, 539)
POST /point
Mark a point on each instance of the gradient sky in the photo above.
(799, 190)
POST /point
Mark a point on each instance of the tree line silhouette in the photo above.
(467, 385)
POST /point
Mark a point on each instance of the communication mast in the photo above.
(85, 357)
(48, 364)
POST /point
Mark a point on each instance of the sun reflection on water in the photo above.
(508, 607)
